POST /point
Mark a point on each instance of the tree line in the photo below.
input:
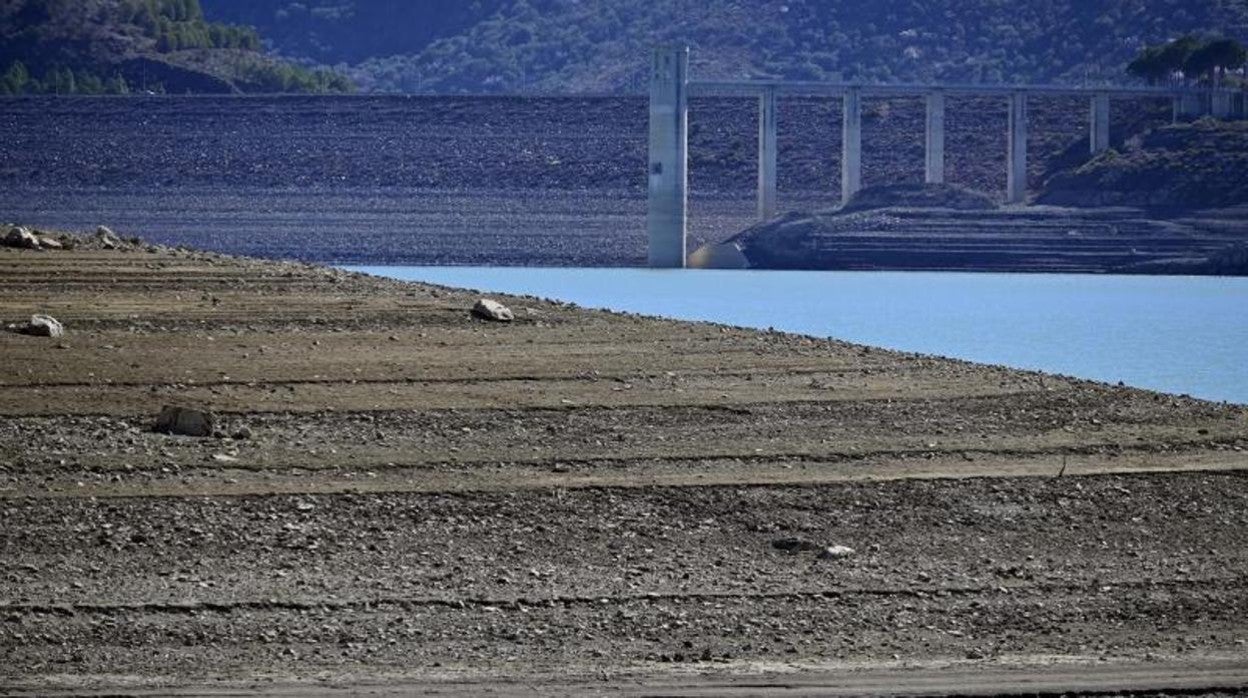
(81, 47)
(179, 24)
(1189, 59)
(62, 80)
(252, 76)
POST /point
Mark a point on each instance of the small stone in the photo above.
(42, 326)
(184, 421)
(241, 434)
(836, 552)
(49, 243)
(487, 309)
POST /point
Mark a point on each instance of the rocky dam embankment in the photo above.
(549, 180)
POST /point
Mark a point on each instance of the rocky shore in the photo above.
(395, 491)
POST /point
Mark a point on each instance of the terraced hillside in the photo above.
(1033, 239)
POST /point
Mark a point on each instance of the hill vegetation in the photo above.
(1201, 164)
(1189, 59)
(115, 46)
(457, 46)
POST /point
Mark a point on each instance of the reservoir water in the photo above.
(1177, 334)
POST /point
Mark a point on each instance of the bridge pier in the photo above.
(1098, 137)
(767, 154)
(1186, 105)
(668, 207)
(1220, 105)
(934, 171)
(851, 144)
(1016, 171)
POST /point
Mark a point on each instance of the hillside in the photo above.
(1201, 164)
(559, 46)
(119, 46)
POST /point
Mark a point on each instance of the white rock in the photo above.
(836, 552)
(492, 310)
(43, 326)
(49, 243)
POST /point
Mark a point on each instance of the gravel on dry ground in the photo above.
(398, 492)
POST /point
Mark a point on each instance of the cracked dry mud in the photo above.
(430, 499)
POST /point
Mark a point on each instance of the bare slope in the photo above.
(1196, 165)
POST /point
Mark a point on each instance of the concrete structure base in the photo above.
(669, 147)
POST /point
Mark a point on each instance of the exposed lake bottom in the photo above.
(1176, 334)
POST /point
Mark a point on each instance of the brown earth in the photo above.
(579, 500)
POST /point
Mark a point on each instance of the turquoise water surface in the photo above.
(1177, 334)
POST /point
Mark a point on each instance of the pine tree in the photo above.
(15, 80)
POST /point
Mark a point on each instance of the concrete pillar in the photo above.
(767, 154)
(934, 172)
(669, 149)
(1187, 106)
(1016, 171)
(1099, 128)
(851, 144)
(1193, 106)
(1220, 104)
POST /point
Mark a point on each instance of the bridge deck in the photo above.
(793, 87)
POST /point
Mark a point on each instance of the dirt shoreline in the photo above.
(578, 500)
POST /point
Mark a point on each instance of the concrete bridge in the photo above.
(671, 88)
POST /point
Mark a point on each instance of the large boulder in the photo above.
(836, 552)
(184, 421)
(725, 255)
(21, 237)
(43, 326)
(494, 311)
